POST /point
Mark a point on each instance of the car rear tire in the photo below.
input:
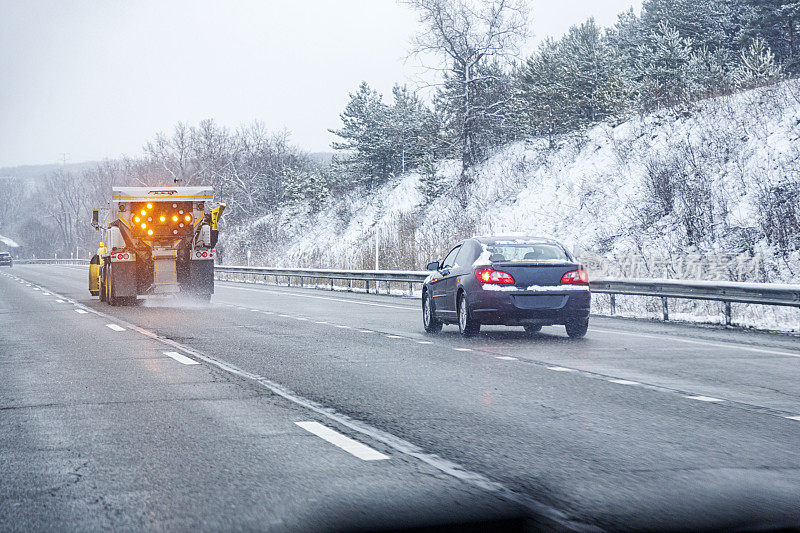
(577, 329)
(467, 325)
(429, 320)
(533, 328)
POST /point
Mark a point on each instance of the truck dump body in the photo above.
(159, 240)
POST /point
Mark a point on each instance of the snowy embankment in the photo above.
(675, 194)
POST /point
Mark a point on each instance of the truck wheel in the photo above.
(533, 328)
(112, 300)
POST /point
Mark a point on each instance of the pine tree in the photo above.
(431, 184)
(367, 158)
(757, 65)
(543, 90)
(662, 68)
(708, 73)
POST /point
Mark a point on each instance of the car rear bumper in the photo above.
(519, 307)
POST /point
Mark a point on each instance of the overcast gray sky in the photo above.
(96, 79)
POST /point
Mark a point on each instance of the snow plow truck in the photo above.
(156, 241)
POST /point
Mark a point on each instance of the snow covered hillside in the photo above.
(687, 193)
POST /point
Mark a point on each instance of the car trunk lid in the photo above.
(531, 273)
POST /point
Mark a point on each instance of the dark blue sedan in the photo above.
(507, 280)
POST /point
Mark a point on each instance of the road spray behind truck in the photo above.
(157, 240)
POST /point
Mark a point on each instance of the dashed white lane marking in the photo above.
(424, 342)
(393, 336)
(794, 418)
(561, 369)
(60, 301)
(320, 322)
(181, 358)
(285, 316)
(506, 358)
(365, 331)
(255, 310)
(81, 311)
(300, 318)
(36, 288)
(463, 349)
(115, 327)
(343, 327)
(701, 343)
(704, 398)
(623, 381)
(46, 293)
(349, 445)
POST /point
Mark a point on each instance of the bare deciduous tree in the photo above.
(463, 34)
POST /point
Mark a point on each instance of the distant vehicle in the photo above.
(513, 281)
(5, 259)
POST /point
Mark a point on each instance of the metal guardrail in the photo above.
(724, 291)
(51, 261)
(300, 275)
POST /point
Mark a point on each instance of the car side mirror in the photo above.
(95, 219)
(433, 266)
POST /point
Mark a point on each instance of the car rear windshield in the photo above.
(526, 252)
(5, 254)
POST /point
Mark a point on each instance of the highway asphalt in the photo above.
(638, 426)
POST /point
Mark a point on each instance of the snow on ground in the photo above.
(590, 192)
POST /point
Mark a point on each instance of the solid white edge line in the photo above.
(353, 447)
(115, 327)
(463, 349)
(424, 342)
(793, 417)
(506, 358)
(181, 358)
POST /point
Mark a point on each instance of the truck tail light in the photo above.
(490, 275)
(575, 277)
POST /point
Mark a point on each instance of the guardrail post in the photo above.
(331, 283)
(410, 289)
(349, 285)
(613, 304)
(727, 313)
(367, 282)
(301, 281)
(665, 308)
(388, 287)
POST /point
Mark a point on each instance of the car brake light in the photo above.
(489, 275)
(576, 276)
